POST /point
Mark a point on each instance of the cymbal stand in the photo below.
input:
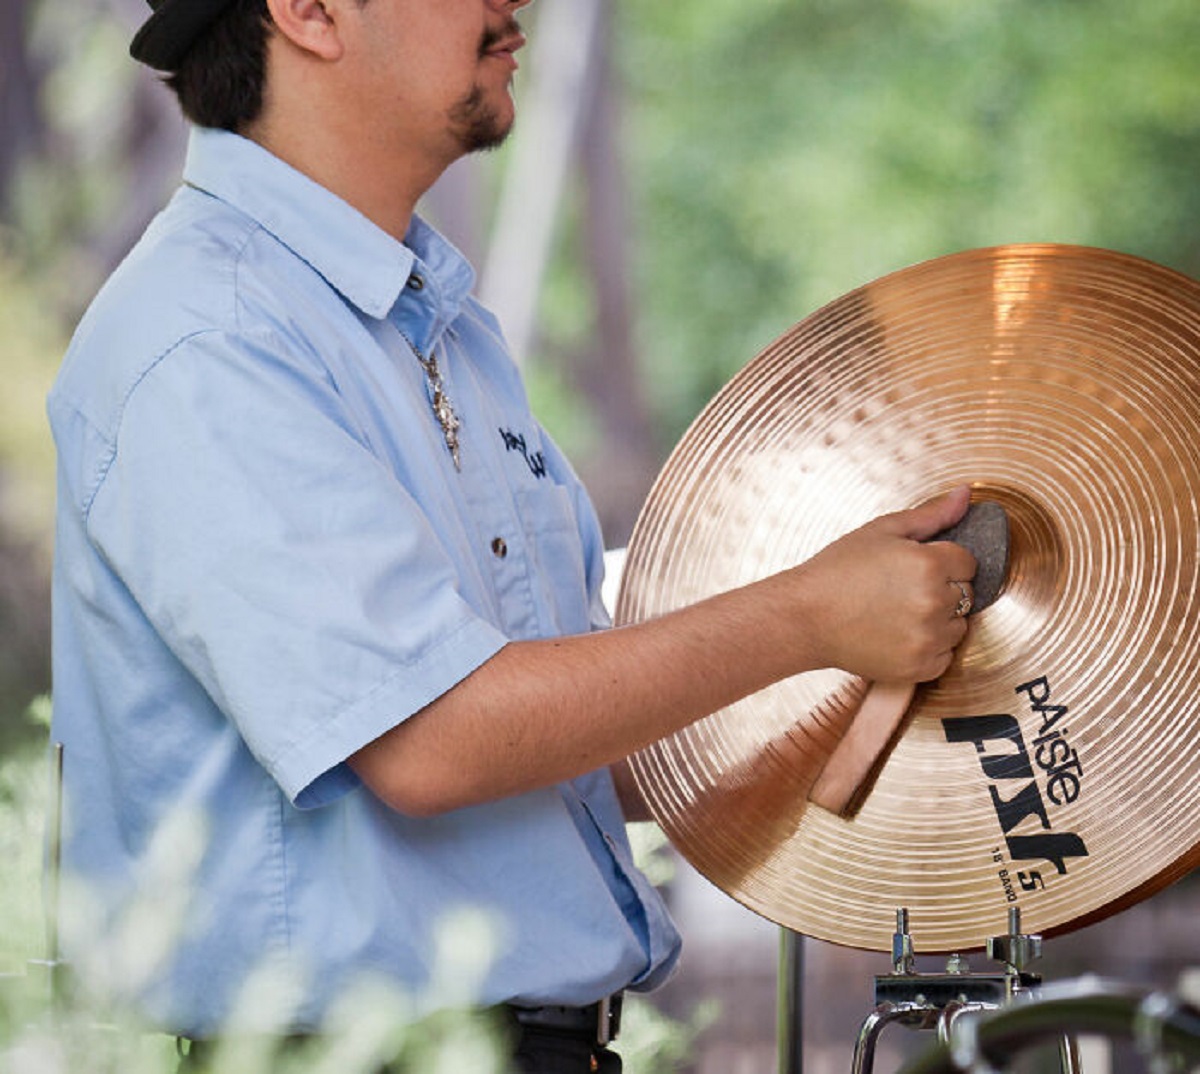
(937, 1000)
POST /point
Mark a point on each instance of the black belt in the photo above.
(598, 1022)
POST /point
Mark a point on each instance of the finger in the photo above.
(937, 666)
(923, 521)
(953, 560)
(956, 631)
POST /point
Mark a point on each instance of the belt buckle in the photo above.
(608, 1019)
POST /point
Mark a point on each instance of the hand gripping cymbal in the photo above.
(848, 775)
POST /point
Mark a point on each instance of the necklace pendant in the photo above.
(439, 401)
(443, 410)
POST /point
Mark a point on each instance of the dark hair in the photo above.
(219, 81)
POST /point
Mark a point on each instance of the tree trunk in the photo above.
(609, 374)
(21, 125)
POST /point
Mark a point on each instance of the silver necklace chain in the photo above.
(439, 400)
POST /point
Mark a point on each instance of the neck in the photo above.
(383, 179)
(387, 200)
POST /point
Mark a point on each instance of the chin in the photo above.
(480, 126)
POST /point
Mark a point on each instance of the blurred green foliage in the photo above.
(23, 786)
(31, 345)
(78, 1025)
(785, 152)
(33, 342)
(70, 195)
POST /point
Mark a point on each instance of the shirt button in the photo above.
(499, 547)
(416, 282)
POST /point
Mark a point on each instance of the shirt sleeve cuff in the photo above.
(313, 772)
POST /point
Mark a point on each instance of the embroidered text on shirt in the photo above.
(534, 460)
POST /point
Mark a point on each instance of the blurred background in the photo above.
(686, 182)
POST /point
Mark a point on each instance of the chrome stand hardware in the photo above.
(938, 1000)
(1165, 1029)
(1154, 1013)
(789, 1014)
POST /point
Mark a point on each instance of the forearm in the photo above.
(540, 712)
(878, 603)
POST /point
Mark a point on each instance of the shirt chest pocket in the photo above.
(554, 553)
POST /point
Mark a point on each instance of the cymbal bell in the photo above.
(1055, 765)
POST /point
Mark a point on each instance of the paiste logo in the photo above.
(1014, 782)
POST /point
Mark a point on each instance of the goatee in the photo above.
(477, 125)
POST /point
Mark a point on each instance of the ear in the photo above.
(310, 25)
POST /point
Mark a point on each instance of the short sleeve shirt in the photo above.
(266, 558)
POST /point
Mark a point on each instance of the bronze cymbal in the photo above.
(1055, 766)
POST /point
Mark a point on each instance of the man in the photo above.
(305, 589)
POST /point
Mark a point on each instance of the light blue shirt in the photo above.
(266, 559)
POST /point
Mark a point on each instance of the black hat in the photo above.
(172, 29)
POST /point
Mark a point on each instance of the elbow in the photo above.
(409, 802)
(416, 790)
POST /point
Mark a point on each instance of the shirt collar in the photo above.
(357, 258)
